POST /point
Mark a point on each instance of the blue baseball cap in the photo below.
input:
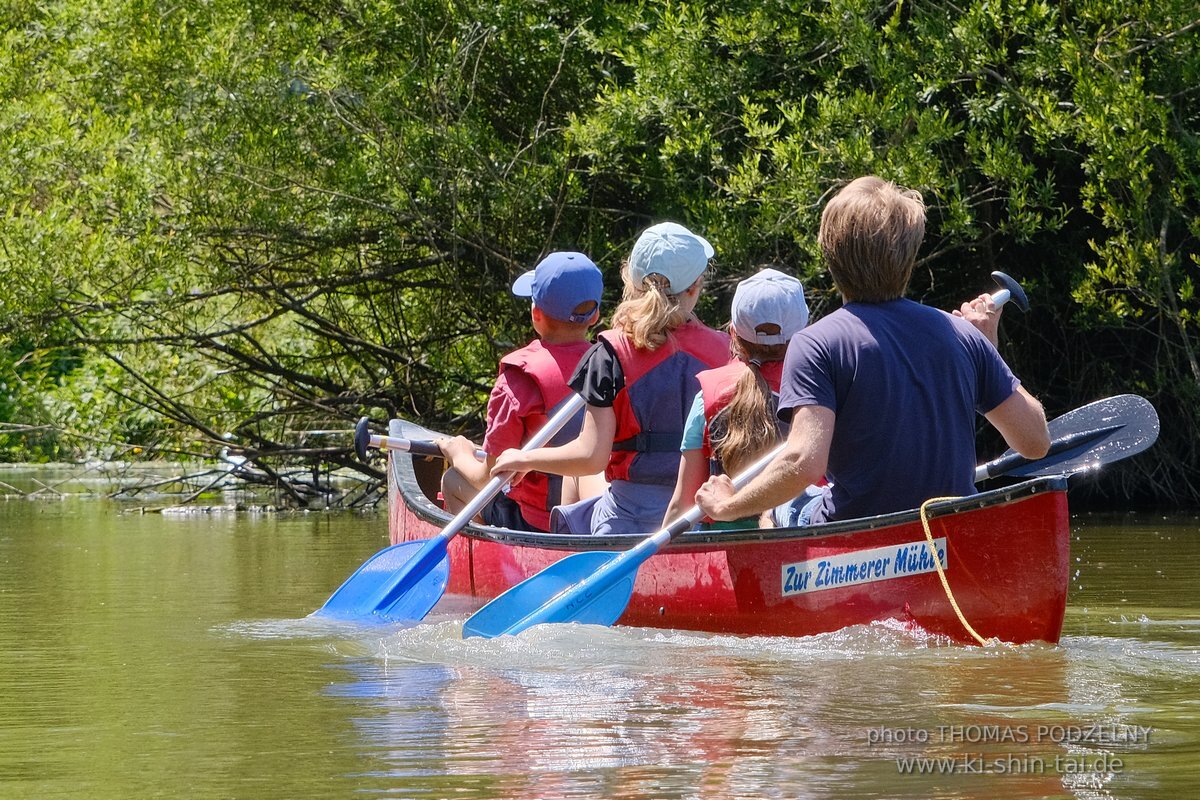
(560, 283)
(670, 250)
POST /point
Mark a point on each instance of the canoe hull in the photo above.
(1005, 556)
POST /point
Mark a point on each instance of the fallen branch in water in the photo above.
(329, 490)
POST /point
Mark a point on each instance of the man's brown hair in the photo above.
(870, 234)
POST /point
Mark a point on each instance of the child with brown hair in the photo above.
(638, 380)
(565, 288)
(733, 420)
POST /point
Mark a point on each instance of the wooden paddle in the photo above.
(595, 587)
(405, 581)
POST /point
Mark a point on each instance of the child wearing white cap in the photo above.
(565, 288)
(638, 381)
(732, 419)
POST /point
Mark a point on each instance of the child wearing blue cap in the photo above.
(565, 288)
(732, 420)
(638, 381)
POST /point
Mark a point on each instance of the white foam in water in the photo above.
(303, 628)
(573, 647)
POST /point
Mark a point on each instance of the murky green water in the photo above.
(153, 656)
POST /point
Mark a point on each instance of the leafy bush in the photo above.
(261, 218)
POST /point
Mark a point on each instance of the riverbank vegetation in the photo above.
(242, 225)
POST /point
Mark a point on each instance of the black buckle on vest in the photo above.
(656, 442)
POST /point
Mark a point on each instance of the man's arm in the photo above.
(802, 462)
(1020, 418)
(1022, 422)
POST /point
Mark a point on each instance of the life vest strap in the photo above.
(656, 442)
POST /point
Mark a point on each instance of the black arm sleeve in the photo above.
(598, 377)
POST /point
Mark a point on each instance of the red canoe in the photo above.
(1005, 554)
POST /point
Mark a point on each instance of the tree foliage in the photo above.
(240, 221)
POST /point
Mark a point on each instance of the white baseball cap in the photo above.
(769, 297)
(670, 250)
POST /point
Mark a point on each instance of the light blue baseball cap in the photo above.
(560, 283)
(769, 298)
(670, 250)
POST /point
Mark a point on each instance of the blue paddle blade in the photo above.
(559, 594)
(399, 583)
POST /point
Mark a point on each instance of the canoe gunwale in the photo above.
(403, 476)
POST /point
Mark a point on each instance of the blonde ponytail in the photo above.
(649, 312)
(746, 428)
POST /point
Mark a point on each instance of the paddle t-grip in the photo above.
(362, 438)
(1010, 290)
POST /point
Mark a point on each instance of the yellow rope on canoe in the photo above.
(937, 562)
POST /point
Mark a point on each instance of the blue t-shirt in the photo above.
(905, 382)
(693, 429)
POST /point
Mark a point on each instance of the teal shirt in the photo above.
(693, 429)
(693, 439)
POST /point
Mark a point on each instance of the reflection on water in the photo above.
(582, 712)
(149, 657)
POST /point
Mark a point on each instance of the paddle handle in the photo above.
(420, 447)
(363, 438)
(688, 519)
(1010, 290)
(553, 425)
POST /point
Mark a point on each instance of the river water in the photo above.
(150, 655)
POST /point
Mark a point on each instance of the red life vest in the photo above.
(550, 366)
(717, 387)
(653, 405)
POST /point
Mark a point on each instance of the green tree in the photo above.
(256, 219)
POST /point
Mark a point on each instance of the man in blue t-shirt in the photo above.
(882, 393)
